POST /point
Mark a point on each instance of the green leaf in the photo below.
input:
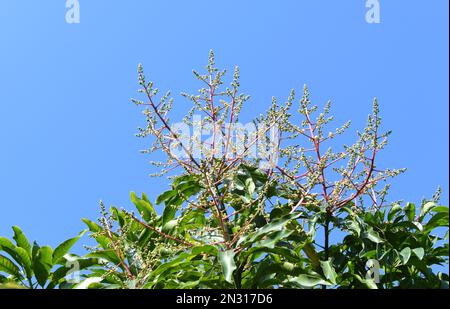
(443, 209)
(226, 259)
(368, 254)
(439, 219)
(405, 254)
(410, 211)
(255, 252)
(238, 184)
(6, 243)
(88, 282)
(144, 207)
(7, 266)
(22, 258)
(42, 264)
(395, 209)
(245, 199)
(418, 225)
(312, 255)
(369, 283)
(145, 198)
(73, 263)
(11, 285)
(109, 255)
(353, 226)
(168, 214)
(307, 280)
(273, 238)
(93, 227)
(250, 186)
(21, 239)
(328, 271)
(183, 179)
(266, 272)
(65, 246)
(372, 236)
(188, 188)
(118, 216)
(169, 226)
(204, 249)
(34, 250)
(275, 225)
(165, 196)
(426, 208)
(419, 252)
(170, 265)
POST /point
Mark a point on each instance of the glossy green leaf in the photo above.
(64, 247)
(119, 216)
(353, 226)
(308, 281)
(226, 259)
(410, 211)
(188, 189)
(168, 214)
(212, 250)
(426, 208)
(72, 264)
(34, 250)
(169, 226)
(311, 253)
(93, 227)
(109, 255)
(7, 266)
(144, 206)
(419, 252)
(372, 236)
(405, 254)
(437, 220)
(11, 285)
(42, 264)
(238, 185)
(443, 209)
(250, 186)
(21, 239)
(88, 282)
(276, 225)
(395, 209)
(22, 258)
(328, 271)
(165, 196)
(369, 283)
(6, 243)
(273, 238)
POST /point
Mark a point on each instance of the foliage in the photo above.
(282, 252)
(405, 244)
(252, 209)
(33, 266)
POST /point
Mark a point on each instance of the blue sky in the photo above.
(67, 125)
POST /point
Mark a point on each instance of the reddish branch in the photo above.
(316, 147)
(119, 253)
(166, 125)
(361, 189)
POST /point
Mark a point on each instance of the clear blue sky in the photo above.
(66, 123)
